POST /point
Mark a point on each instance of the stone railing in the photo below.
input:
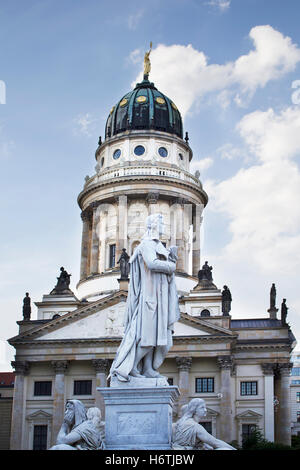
(139, 170)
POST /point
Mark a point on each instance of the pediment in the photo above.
(92, 320)
(39, 415)
(249, 414)
(203, 327)
(104, 319)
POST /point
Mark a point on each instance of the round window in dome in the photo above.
(180, 156)
(123, 102)
(163, 152)
(141, 99)
(117, 154)
(160, 100)
(139, 150)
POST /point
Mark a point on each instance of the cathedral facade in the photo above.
(240, 367)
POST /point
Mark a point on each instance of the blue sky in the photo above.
(66, 63)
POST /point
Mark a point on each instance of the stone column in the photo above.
(226, 416)
(101, 367)
(152, 199)
(197, 220)
(184, 365)
(180, 234)
(60, 368)
(284, 409)
(268, 370)
(94, 264)
(122, 223)
(18, 410)
(85, 216)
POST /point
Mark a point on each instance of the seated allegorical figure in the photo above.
(189, 434)
(81, 429)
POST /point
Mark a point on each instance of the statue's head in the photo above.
(154, 226)
(94, 414)
(62, 268)
(196, 409)
(75, 413)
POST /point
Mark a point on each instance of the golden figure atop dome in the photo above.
(147, 64)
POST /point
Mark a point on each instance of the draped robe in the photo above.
(152, 306)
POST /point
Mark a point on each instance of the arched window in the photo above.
(205, 313)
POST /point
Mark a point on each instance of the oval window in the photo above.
(139, 150)
(163, 152)
(101, 162)
(160, 100)
(123, 102)
(141, 99)
(117, 154)
(180, 156)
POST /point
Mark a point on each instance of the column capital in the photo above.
(268, 368)
(284, 368)
(225, 362)
(60, 367)
(21, 367)
(86, 215)
(101, 365)
(181, 201)
(184, 363)
(152, 197)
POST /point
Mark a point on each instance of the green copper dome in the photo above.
(144, 108)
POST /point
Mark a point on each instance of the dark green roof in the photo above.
(144, 108)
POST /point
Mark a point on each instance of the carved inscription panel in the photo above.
(133, 423)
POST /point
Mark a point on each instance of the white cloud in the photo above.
(136, 56)
(273, 56)
(84, 124)
(261, 201)
(184, 73)
(134, 19)
(222, 5)
(229, 151)
(200, 165)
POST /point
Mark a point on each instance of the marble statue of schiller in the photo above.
(152, 307)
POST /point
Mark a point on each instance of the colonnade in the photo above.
(93, 247)
(280, 421)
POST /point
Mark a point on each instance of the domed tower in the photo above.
(142, 168)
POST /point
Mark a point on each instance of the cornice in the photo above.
(105, 341)
(262, 344)
(119, 180)
(207, 325)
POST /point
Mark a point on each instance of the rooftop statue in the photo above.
(152, 307)
(147, 63)
(189, 434)
(124, 264)
(63, 283)
(205, 273)
(273, 297)
(284, 312)
(26, 307)
(81, 429)
(226, 301)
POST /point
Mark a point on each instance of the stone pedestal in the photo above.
(138, 418)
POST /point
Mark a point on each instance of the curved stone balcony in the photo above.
(142, 170)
